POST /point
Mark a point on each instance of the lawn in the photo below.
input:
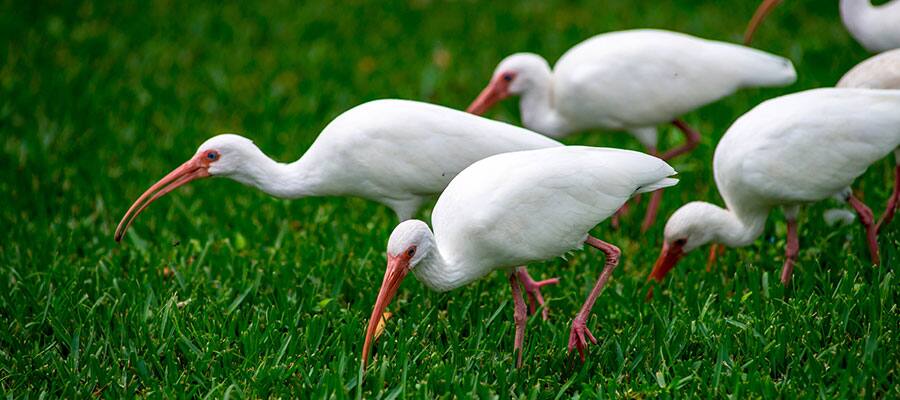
(221, 291)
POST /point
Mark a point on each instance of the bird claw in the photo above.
(533, 290)
(578, 337)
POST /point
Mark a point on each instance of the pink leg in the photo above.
(519, 314)
(893, 203)
(579, 333)
(652, 208)
(692, 137)
(533, 290)
(622, 211)
(868, 220)
(791, 251)
(614, 221)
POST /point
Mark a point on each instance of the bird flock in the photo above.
(511, 196)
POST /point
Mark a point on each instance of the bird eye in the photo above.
(411, 251)
(212, 155)
(507, 77)
(681, 242)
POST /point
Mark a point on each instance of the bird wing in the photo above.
(808, 146)
(519, 207)
(399, 148)
(879, 72)
(648, 77)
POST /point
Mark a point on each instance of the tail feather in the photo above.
(662, 183)
(761, 69)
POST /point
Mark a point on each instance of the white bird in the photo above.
(515, 208)
(630, 80)
(881, 71)
(395, 152)
(875, 27)
(788, 151)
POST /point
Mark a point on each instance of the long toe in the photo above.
(578, 338)
(533, 290)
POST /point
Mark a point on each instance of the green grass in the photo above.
(221, 291)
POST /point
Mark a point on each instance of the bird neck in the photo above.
(857, 15)
(736, 228)
(538, 106)
(290, 181)
(441, 275)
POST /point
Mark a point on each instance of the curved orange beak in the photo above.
(668, 257)
(761, 12)
(197, 167)
(495, 91)
(397, 268)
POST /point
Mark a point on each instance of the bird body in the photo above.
(788, 151)
(633, 80)
(881, 71)
(531, 206)
(805, 147)
(643, 78)
(515, 208)
(630, 80)
(400, 152)
(395, 152)
(877, 28)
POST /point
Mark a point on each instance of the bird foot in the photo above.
(533, 290)
(578, 337)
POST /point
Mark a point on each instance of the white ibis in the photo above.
(630, 80)
(786, 152)
(875, 27)
(395, 152)
(516, 208)
(881, 71)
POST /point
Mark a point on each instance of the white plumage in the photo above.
(788, 151)
(532, 206)
(630, 80)
(881, 71)
(634, 80)
(395, 152)
(807, 146)
(877, 28)
(515, 208)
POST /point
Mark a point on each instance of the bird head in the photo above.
(410, 243)
(515, 75)
(685, 231)
(761, 12)
(222, 155)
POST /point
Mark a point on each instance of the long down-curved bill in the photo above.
(189, 171)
